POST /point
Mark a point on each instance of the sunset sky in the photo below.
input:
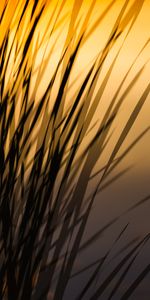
(98, 29)
(68, 22)
(103, 17)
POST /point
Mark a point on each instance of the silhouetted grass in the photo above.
(43, 204)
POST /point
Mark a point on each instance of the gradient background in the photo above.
(134, 185)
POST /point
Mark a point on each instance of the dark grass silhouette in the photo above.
(43, 205)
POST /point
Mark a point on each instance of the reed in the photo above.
(49, 147)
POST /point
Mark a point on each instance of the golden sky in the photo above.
(69, 20)
(62, 24)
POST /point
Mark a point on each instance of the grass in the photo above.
(46, 161)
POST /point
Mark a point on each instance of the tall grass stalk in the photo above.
(49, 147)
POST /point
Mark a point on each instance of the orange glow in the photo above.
(69, 19)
